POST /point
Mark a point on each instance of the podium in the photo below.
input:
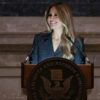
(57, 79)
(87, 70)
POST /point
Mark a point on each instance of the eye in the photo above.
(49, 15)
(55, 15)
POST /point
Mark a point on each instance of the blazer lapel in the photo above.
(48, 44)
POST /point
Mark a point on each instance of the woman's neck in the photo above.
(57, 34)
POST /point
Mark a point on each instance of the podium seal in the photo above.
(56, 79)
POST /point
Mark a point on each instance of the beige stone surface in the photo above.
(10, 89)
(94, 94)
(21, 24)
(11, 59)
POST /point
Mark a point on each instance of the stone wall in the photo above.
(16, 37)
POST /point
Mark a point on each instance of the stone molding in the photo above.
(37, 24)
(22, 42)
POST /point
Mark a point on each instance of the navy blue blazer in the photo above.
(43, 48)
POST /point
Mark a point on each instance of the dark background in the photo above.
(37, 7)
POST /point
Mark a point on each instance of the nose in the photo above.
(52, 18)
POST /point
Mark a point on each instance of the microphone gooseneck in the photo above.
(80, 50)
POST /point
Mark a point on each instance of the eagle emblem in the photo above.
(57, 87)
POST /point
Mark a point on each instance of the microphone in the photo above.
(80, 50)
(27, 59)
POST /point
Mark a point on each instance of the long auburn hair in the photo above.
(64, 14)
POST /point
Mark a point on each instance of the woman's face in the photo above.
(53, 19)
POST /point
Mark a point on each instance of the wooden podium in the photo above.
(87, 70)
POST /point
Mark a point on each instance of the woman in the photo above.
(60, 40)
